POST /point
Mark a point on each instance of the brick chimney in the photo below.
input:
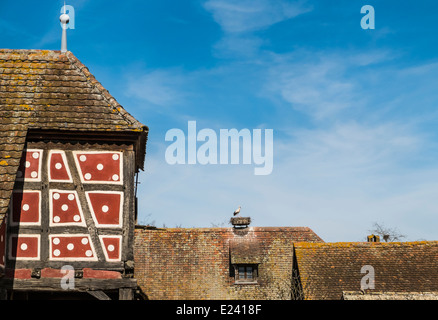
(373, 238)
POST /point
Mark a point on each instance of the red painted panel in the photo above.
(30, 165)
(101, 274)
(98, 167)
(111, 246)
(87, 273)
(51, 273)
(58, 168)
(26, 207)
(24, 247)
(65, 209)
(71, 247)
(106, 207)
(18, 273)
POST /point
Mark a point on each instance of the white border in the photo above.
(11, 204)
(99, 181)
(99, 225)
(40, 151)
(72, 235)
(61, 224)
(27, 235)
(105, 250)
(67, 167)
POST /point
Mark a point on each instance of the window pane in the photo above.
(249, 273)
(241, 272)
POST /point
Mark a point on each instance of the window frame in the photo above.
(246, 280)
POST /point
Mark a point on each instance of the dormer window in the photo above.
(246, 273)
(245, 257)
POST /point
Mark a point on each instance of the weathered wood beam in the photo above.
(126, 294)
(80, 285)
(105, 136)
(99, 295)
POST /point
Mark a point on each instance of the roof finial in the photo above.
(64, 18)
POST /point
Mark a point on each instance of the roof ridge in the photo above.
(91, 79)
(357, 244)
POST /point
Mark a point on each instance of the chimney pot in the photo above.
(373, 238)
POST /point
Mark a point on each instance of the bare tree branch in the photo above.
(386, 233)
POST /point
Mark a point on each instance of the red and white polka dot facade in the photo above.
(30, 166)
(65, 209)
(75, 198)
(71, 247)
(99, 167)
(26, 207)
(58, 168)
(24, 247)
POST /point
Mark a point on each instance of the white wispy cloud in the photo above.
(252, 15)
(239, 20)
(359, 162)
(352, 170)
(162, 87)
(238, 46)
(321, 84)
(337, 181)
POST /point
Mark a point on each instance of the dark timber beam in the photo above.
(126, 294)
(99, 295)
(80, 285)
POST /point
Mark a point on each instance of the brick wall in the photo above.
(179, 263)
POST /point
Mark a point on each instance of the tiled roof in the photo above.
(194, 263)
(360, 295)
(245, 252)
(49, 90)
(328, 269)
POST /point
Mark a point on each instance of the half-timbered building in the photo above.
(69, 155)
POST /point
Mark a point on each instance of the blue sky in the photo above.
(354, 111)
